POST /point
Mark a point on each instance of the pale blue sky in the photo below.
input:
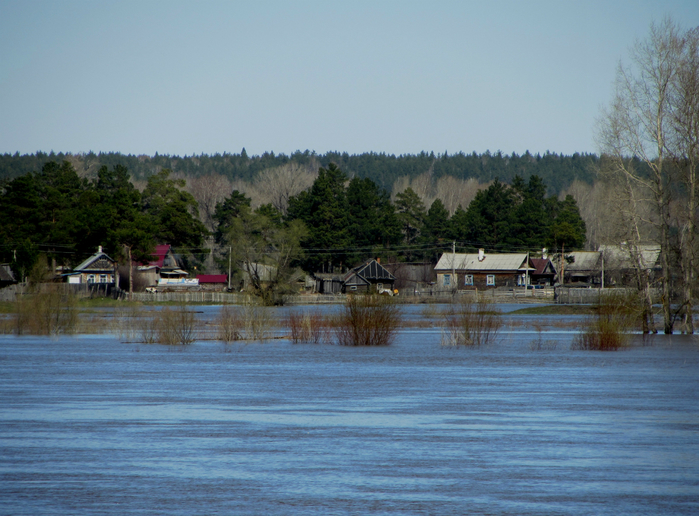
(386, 76)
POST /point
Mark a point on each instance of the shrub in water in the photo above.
(617, 314)
(229, 324)
(471, 323)
(49, 310)
(367, 321)
(308, 327)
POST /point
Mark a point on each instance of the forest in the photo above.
(557, 171)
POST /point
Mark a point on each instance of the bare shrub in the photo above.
(256, 320)
(146, 329)
(539, 344)
(617, 315)
(169, 326)
(50, 310)
(367, 321)
(471, 323)
(309, 327)
(229, 324)
(176, 326)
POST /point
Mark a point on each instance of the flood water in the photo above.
(92, 425)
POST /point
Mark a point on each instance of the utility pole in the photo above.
(563, 251)
(453, 265)
(526, 276)
(229, 268)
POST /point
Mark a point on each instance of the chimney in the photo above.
(544, 253)
(378, 260)
(99, 249)
(481, 255)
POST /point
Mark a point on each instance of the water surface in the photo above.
(91, 425)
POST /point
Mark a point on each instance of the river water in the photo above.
(92, 425)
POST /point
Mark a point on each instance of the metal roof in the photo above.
(619, 256)
(582, 261)
(490, 262)
(95, 257)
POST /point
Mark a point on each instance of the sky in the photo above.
(191, 77)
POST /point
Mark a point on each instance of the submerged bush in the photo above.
(169, 326)
(609, 329)
(229, 324)
(310, 327)
(51, 309)
(367, 321)
(471, 323)
(176, 326)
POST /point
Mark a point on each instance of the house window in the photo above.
(468, 279)
(353, 288)
(379, 286)
(103, 278)
(447, 280)
(91, 278)
(490, 280)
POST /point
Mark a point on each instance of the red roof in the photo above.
(540, 264)
(159, 255)
(212, 278)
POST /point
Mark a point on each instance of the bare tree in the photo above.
(450, 190)
(637, 130)
(277, 185)
(685, 148)
(209, 190)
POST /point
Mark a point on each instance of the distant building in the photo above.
(482, 271)
(98, 268)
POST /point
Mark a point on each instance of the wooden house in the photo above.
(368, 277)
(545, 273)
(6, 276)
(461, 271)
(98, 268)
(413, 278)
(164, 269)
(328, 282)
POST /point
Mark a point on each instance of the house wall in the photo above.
(480, 280)
(97, 277)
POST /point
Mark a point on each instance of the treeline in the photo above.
(556, 170)
(334, 224)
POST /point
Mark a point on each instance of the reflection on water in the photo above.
(89, 425)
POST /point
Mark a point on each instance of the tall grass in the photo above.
(367, 321)
(310, 327)
(470, 322)
(609, 329)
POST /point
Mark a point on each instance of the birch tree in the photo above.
(638, 135)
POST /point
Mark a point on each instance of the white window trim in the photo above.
(490, 280)
(446, 281)
(468, 279)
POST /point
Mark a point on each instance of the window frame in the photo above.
(490, 280)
